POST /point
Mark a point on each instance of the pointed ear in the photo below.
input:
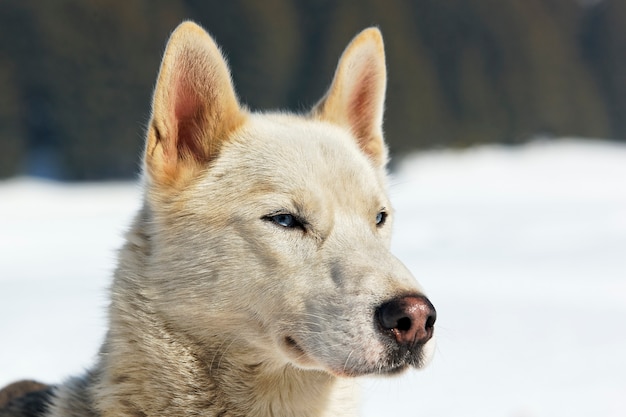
(357, 94)
(194, 108)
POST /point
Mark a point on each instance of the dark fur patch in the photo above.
(31, 404)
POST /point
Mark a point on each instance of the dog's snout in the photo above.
(410, 319)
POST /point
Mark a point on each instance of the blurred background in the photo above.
(76, 76)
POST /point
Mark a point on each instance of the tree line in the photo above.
(76, 76)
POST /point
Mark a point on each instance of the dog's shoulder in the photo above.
(25, 399)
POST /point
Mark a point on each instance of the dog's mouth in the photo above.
(300, 358)
(296, 353)
(294, 346)
(399, 360)
(394, 362)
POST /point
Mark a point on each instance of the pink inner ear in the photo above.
(187, 115)
(361, 108)
(185, 100)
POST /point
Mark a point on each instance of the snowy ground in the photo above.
(522, 250)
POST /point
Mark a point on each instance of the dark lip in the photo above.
(293, 345)
(295, 348)
(390, 370)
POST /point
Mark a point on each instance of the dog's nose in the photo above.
(410, 319)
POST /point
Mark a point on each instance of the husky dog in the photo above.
(256, 280)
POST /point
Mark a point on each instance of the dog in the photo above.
(256, 279)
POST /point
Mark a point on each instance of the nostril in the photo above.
(391, 316)
(430, 320)
(403, 324)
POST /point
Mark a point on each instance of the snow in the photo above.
(521, 249)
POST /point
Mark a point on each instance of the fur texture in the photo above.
(256, 278)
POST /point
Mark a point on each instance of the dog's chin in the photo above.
(393, 363)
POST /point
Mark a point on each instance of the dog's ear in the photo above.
(194, 108)
(357, 94)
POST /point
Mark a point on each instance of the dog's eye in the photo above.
(286, 220)
(381, 217)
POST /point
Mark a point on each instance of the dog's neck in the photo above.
(158, 371)
(157, 374)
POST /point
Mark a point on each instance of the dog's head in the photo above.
(271, 231)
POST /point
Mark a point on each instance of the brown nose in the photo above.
(410, 319)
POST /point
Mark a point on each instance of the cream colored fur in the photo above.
(218, 309)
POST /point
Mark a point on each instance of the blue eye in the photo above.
(286, 220)
(381, 217)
